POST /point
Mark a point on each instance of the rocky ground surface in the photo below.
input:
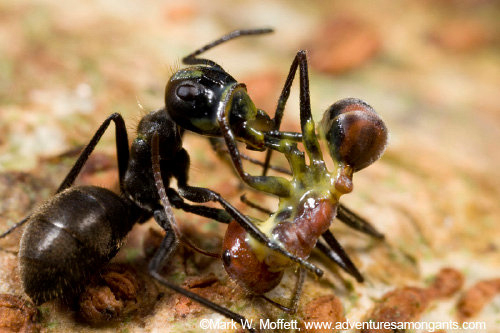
(430, 68)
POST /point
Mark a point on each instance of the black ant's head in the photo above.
(192, 97)
(355, 134)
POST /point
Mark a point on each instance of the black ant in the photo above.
(82, 227)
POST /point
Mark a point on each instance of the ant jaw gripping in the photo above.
(247, 123)
(355, 134)
(193, 95)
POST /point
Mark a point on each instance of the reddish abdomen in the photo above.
(313, 218)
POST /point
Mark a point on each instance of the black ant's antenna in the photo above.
(191, 59)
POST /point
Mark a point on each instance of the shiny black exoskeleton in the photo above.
(82, 227)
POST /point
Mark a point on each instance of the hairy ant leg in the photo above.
(167, 208)
(121, 151)
(201, 195)
(166, 219)
(217, 214)
(162, 255)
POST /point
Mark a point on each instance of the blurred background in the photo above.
(431, 69)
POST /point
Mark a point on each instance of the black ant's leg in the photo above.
(14, 227)
(122, 151)
(165, 218)
(199, 194)
(338, 254)
(191, 59)
(344, 214)
(355, 221)
(292, 308)
(217, 214)
(162, 256)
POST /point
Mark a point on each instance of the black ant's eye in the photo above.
(188, 92)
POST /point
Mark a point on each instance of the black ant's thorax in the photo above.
(139, 184)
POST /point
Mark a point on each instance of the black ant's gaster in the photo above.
(82, 227)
